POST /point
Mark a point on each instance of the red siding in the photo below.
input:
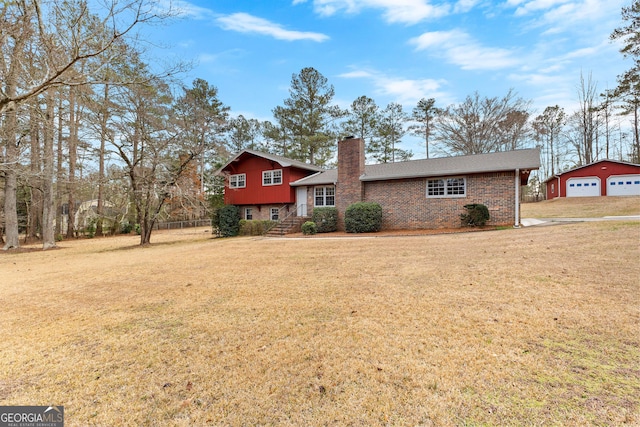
(255, 193)
(557, 186)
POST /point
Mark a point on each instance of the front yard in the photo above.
(535, 326)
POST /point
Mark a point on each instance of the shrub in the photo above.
(326, 219)
(254, 227)
(477, 215)
(126, 228)
(363, 217)
(91, 228)
(309, 228)
(226, 220)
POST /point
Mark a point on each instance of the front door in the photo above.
(301, 201)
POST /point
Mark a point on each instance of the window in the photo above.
(447, 187)
(274, 214)
(325, 196)
(248, 214)
(238, 181)
(273, 177)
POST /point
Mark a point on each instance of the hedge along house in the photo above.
(601, 178)
(417, 194)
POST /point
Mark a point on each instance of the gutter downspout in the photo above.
(517, 182)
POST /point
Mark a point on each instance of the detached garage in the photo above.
(601, 178)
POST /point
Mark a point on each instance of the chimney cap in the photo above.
(349, 137)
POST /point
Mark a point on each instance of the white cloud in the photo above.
(245, 23)
(459, 48)
(184, 9)
(536, 5)
(404, 91)
(394, 11)
(587, 16)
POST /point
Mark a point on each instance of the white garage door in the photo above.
(583, 187)
(623, 185)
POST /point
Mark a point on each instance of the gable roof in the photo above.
(620, 162)
(443, 166)
(282, 161)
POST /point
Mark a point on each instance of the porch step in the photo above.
(289, 225)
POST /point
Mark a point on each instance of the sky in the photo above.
(396, 50)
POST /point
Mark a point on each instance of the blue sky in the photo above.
(397, 50)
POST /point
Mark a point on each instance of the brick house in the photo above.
(416, 194)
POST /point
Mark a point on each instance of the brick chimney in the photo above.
(349, 188)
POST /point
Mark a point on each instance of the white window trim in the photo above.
(247, 212)
(324, 196)
(277, 212)
(234, 178)
(446, 188)
(271, 174)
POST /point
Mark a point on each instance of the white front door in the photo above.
(301, 201)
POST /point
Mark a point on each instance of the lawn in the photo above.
(531, 326)
(577, 207)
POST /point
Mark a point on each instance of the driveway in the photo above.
(530, 222)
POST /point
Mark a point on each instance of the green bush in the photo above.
(254, 227)
(477, 215)
(363, 217)
(226, 220)
(326, 219)
(91, 228)
(309, 228)
(126, 228)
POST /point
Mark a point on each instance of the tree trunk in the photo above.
(73, 143)
(11, 180)
(59, 170)
(35, 181)
(48, 205)
(104, 115)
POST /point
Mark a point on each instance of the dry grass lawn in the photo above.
(535, 326)
(589, 207)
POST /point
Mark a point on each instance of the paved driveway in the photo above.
(529, 222)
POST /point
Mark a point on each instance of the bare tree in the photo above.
(483, 125)
(55, 43)
(586, 121)
(548, 128)
(28, 22)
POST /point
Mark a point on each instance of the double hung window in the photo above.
(238, 181)
(447, 187)
(273, 177)
(325, 196)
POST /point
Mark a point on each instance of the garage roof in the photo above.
(589, 165)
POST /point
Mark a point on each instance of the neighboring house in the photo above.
(417, 194)
(601, 178)
(87, 212)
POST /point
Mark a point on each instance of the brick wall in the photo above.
(349, 188)
(405, 205)
(263, 212)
